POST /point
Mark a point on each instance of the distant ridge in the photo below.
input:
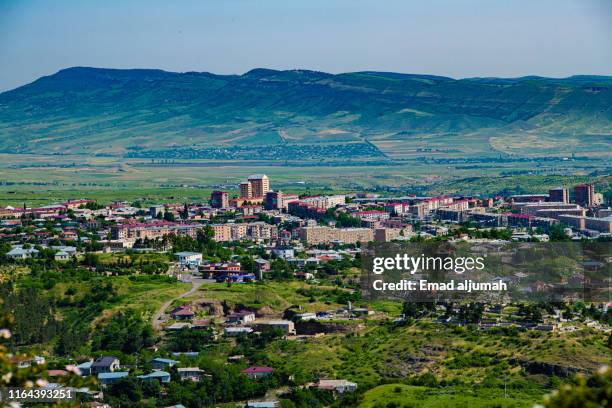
(135, 111)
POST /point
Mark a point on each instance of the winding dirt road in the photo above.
(159, 317)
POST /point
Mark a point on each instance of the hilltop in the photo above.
(306, 114)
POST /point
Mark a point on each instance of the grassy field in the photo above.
(41, 180)
(274, 297)
(407, 396)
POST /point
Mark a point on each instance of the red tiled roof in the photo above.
(258, 369)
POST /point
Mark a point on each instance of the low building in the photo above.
(189, 258)
(19, 252)
(159, 363)
(287, 326)
(190, 373)
(182, 313)
(255, 372)
(109, 378)
(106, 364)
(262, 404)
(339, 386)
(242, 317)
(237, 331)
(85, 368)
(161, 376)
(61, 256)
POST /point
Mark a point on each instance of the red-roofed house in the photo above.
(258, 372)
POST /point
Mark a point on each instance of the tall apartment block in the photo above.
(584, 194)
(219, 199)
(260, 184)
(246, 190)
(558, 195)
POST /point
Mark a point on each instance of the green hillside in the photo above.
(157, 114)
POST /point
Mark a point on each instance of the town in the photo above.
(234, 256)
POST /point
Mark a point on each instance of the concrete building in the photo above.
(236, 232)
(277, 200)
(584, 194)
(219, 199)
(324, 202)
(549, 209)
(260, 185)
(189, 258)
(155, 210)
(389, 234)
(588, 223)
(287, 326)
(599, 224)
(246, 190)
(559, 194)
(320, 235)
(574, 221)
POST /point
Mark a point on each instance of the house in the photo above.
(189, 259)
(241, 317)
(182, 313)
(61, 256)
(19, 252)
(96, 404)
(109, 378)
(57, 373)
(161, 376)
(190, 354)
(85, 368)
(178, 326)
(262, 404)
(237, 331)
(339, 386)
(283, 252)
(191, 373)
(287, 326)
(200, 324)
(159, 363)
(105, 365)
(70, 250)
(262, 266)
(256, 372)
(27, 362)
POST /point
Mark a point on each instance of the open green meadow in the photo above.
(41, 180)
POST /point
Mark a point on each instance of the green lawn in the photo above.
(406, 396)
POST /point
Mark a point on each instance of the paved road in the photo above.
(159, 318)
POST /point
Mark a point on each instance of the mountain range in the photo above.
(301, 113)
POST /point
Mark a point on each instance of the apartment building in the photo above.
(321, 234)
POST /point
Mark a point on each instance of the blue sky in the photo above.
(458, 38)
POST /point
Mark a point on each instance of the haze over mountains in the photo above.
(290, 114)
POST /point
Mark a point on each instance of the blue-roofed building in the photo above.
(159, 363)
(18, 252)
(161, 376)
(176, 406)
(109, 378)
(85, 368)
